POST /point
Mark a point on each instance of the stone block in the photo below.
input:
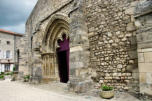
(119, 66)
(131, 27)
(80, 86)
(130, 11)
(148, 57)
(146, 50)
(149, 78)
(142, 77)
(145, 67)
(130, 68)
(137, 24)
(141, 57)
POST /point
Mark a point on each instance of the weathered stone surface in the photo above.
(143, 7)
(102, 36)
(148, 56)
(115, 30)
(131, 27)
(143, 16)
(141, 57)
(8, 50)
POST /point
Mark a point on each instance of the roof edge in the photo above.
(11, 33)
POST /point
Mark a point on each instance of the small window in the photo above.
(0, 54)
(8, 42)
(8, 54)
(18, 53)
(7, 67)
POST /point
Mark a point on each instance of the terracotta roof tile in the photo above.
(9, 32)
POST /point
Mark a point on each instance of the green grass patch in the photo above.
(1, 76)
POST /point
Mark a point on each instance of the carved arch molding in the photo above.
(56, 28)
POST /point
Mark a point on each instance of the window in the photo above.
(7, 54)
(7, 67)
(0, 55)
(8, 42)
(18, 53)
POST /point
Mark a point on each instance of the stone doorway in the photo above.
(55, 50)
(63, 59)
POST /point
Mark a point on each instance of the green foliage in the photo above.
(14, 68)
(1, 76)
(27, 77)
(106, 88)
(9, 73)
(2, 73)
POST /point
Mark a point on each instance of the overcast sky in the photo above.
(14, 13)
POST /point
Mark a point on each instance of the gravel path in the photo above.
(14, 91)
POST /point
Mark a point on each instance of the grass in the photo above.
(1, 76)
(9, 73)
(26, 77)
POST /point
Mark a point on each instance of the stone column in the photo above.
(79, 46)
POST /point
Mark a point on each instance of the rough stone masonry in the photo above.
(103, 41)
(112, 37)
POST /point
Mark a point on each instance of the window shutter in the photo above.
(3, 69)
(0, 68)
(4, 54)
(0, 54)
(11, 55)
(11, 67)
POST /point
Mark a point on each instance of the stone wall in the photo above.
(37, 25)
(4, 37)
(43, 10)
(13, 41)
(37, 28)
(22, 48)
(143, 23)
(112, 37)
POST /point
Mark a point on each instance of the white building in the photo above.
(9, 53)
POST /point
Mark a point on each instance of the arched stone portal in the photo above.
(56, 38)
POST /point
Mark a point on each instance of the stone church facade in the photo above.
(76, 41)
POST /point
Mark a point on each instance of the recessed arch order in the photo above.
(57, 27)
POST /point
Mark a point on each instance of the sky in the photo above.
(14, 14)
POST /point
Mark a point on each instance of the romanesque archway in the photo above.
(55, 47)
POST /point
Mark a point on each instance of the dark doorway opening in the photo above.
(63, 59)
(63, 67)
